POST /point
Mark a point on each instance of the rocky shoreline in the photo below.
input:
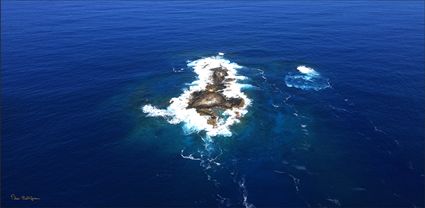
(212, 101)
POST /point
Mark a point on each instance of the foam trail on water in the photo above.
(179, 112)
(244, 190)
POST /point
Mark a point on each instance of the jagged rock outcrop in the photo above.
(211, 101)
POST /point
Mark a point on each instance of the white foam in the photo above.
(177, 111)
(307, 70)
(309, 79)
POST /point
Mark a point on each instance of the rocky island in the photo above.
(212, 101)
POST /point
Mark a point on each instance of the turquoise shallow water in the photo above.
(75, 76)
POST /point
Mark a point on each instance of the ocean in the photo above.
(334, 94)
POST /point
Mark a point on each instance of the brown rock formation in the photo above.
(207, 99)
(210, 101)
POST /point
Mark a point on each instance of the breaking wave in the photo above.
(180, 111)
(307, 79)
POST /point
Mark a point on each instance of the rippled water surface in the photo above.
(336, 115)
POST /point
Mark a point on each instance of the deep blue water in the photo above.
(75, 74)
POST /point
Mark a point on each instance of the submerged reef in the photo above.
(307, 79)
